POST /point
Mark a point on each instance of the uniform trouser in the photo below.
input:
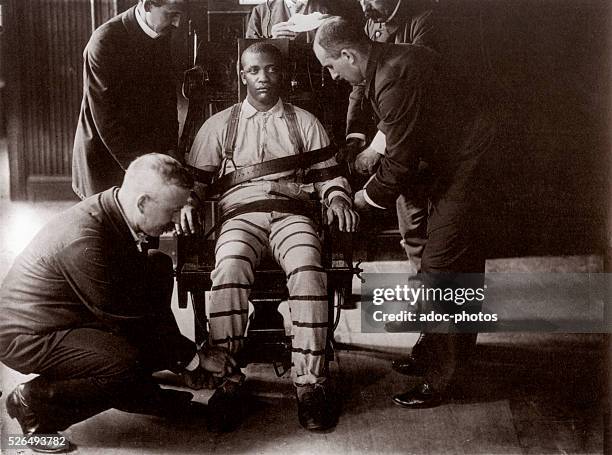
(411, 208)
(94, 369)
(452, 250)
(295, 245)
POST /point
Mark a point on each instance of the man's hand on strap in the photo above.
(348, 151)
(340, 209)
(215, 366)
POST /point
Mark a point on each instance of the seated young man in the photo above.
(269, 218)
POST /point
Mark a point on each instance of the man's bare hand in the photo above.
(360, 203)
(281, 30)
(366, 161)
(349, 151)
(189, 222)
(199, 379)
(341, 210)
(217, 361)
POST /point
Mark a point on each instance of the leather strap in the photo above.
(286, 163)
(292, 206)
(200, 175)
(232, 130)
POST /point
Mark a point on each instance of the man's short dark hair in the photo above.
(262, 47)
(338, 33)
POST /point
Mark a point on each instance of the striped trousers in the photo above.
(293, 242)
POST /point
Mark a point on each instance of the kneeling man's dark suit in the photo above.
(89, 312)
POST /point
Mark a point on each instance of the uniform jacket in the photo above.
(129, 105)
(414, 23)
(426, 114)
(83, 269)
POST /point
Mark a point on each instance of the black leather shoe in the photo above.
(399, 327)
(422, 396)
(226, 408)
(316, 409)
(43, 440)
(408, 366)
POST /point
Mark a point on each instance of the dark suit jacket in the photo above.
(82, 269)
(426, 114)
(272, 12)
(129, 103)
(414, 23)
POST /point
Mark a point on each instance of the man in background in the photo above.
(129, 105)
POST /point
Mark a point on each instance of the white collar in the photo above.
(249, 111)
(144, 26)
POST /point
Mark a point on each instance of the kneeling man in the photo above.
(87, 308)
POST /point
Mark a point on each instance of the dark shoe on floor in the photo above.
(316, 408)
(39, 438)
(226, 408)
(399, 327)
(422, 396)
(408, 366)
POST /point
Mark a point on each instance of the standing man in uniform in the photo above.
(425, 116)
(129, 105)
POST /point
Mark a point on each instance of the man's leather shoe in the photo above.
(422, 396)
(408, 366)
(315, 407)
(226, 407)
(49, 441)
(399, 327)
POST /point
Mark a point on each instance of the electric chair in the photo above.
(266, 340)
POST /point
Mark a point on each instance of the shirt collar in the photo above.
(144, 26)
(140, 237)
(248, 111)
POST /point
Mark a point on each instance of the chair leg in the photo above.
(200, 320)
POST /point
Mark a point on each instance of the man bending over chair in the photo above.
(268, 214)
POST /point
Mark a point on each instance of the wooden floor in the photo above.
(529, 395)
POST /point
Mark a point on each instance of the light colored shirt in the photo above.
(144, 26)
(263, 136)
(295, 6)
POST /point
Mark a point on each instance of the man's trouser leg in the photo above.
(241, 243)
(412, 223)
(297, 248)
(451, 248)
(90, 370)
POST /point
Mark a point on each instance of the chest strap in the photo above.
(286, 163)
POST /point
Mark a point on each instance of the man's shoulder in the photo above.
(301, 114)
(218, 120)
(404, 62)
(112, 31)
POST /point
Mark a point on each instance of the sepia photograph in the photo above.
(305, 226)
